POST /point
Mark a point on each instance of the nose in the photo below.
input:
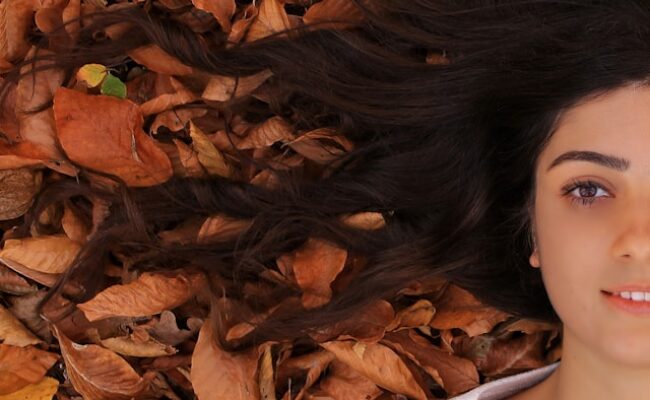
(634, 241)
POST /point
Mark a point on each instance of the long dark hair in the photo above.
(447, 104)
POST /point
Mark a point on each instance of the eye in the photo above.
(586, 191)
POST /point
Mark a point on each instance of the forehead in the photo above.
(617, 122)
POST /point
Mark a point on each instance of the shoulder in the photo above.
(513, 385)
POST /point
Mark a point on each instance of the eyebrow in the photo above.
(619, 164)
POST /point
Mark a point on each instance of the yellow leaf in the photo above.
(43, 390)
(209, 156)
(92, 74)
(50, 254)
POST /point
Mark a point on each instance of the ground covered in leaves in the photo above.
(145, 336)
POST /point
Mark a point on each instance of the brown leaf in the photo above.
(271, 18)
(13, 332)
(320, 145)
(217, 374)
(344, 383)
(332, 11)
(220, 227)
(21, 366)
(223, 10)
(166, 329)
(156, 59)
(151, 293)
(73, 225)
(315, 265)
(190, 161)
(16, 18)
(418, 314)
(312, 363)
(99, 373)
(268, 132)
(11, 282)
(226, 88)
(112, 140)
(18, 187)
(458, 308)
(176, 119)
(24, 309)
(45, 389)
(453, 373)
(378, 363)
(242, 24)
(368, 325)
(49, 254)
(166, 101)
(209, 156)
(365, 220)
(135, 345)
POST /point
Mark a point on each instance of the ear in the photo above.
(534, 257)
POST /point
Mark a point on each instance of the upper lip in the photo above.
(632, 287)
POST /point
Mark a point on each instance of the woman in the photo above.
(512, 164)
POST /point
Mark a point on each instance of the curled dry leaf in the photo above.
(16, 19)
(455, 374)
(268, 132)
(156, 59)
(220, 227)
(21, 366)
(365, 220)
(73, 225)
(166, 329)
(45, 389)
(209, 156)
(176, 119)
(378, 363)
(320, 145)
(217, 374)
(344, 383)
(13, 332)
(333, 11)
(110, 141)
(137, 344)
(458, 308)
(17, 190)
(313, 363)
(49, 254)
(222, 10)
(271, 18)
(24, 309)
(314, 265)
(368, 325)
(151, 293)
(178, 96)
(99, 373)
(189, 160)
(11, 282)
(225, 88)
(418, 314)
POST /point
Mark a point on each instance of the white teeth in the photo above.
(635, 296)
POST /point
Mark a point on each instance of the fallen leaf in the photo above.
(166, 329)
(365, 220)
(268, 132)
(112, 140)
(418, 314)
(220, 227)
(11, 282)
(334, 14)
(137, 346)
(50, 254)
(315, 265)
(209, 156)
(156, 59)
(344, 383)
(45, 389)
(13, 332)
(151, 293)
(15, 23)
(226, 88)
(217, 374)
(99, 373)
(223, 10)
(378, 363)
(271, 18)
(18, 187)
(21, 366)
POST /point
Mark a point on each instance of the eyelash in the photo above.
(576, 184)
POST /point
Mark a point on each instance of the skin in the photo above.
(584, 249)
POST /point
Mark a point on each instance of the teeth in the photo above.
(635, 296)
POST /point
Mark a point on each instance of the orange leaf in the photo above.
(217, 374)
(151, 293)
(99, 373)
(223, 10)
(20, 366)
(105, 133)
(378, 363)
(271, 18)
(156, 59)
(334, 10)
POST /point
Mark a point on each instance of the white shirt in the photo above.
(509, 385)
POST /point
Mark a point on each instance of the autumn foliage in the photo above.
(145, 335)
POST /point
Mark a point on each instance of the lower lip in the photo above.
(631, 306)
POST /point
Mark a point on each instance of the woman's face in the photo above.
(585, 248)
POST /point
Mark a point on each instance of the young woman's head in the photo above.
(455, 153)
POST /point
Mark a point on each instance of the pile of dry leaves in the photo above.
(146, 336)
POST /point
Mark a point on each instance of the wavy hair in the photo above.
(445, 151)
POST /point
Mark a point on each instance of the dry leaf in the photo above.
(209, 156)
(223, 10)
(217, 374)
(99, 373)
(112, 140)
(156, 59)
(344, 383)
(150, 294)
(378, 363)
(21, 366)
(225, 88)
(50, 254)
(13, 332)
(220, 227)
(315, 265)
(45, 389)
(330, 11)
(271, 18)
(11, 282)
(268, 132)
(166, 329)
(15, 23)
(418, 314)
(137, 346)
(17, 190)
(365, 220)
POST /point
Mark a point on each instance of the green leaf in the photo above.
(92, 74)
(112, 86)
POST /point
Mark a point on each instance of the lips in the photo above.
(632, 287)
